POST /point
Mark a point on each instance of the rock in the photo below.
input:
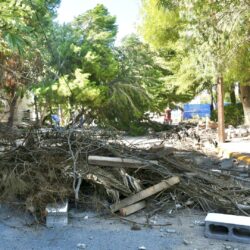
(136, 227)
(81, 246)
(244, 175)
(178, 206)
(172, 231)
(242, 166)
(142, 248)
(228, 247)
(199, 160)
(153, 222)
(186, 242)
(242, 132)
(189, 203)
(199, 223)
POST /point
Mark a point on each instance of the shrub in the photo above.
(234, 114)
(137, 129)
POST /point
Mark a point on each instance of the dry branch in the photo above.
(46, 167)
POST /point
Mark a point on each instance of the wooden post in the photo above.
(145, 193)
(221, 121)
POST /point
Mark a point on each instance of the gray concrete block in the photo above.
(56, 220)
(228, 227)
(227, 164)
(57, 214)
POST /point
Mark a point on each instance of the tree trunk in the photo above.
(221, 119)
(12, 110)
(212, 99)
(36, 111)
(245, 99)
(232, 94)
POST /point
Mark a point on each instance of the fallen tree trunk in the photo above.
(145, 193)
(118, 162)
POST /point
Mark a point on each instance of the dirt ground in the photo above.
(88, 230)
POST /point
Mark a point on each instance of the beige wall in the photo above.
(26, 103)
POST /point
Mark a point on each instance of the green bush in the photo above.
(234, 114)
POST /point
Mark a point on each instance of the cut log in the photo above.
(117, 162)
(132, 208)
(145, 193)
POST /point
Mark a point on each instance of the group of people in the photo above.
(56, 121)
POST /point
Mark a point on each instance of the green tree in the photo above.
(95, 77)
(96, 30)
(22, 29)
(238, 72)
(206, 41)
(164, 29)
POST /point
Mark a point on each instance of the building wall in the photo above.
(23, 105)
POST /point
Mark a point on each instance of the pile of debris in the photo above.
(202, 137)
(96, 166)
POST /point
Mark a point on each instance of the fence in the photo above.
(201, 110)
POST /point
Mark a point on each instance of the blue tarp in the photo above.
(201, 110)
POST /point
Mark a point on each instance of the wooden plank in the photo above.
(165, 184)
(117, 162)
(132, 208)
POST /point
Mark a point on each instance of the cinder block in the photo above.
(57, 214)
(226, 164)
(228, 227)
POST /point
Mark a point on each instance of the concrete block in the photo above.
(227, 164)
(228, 227)
(57, 214)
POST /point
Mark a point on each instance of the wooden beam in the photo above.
(132, 208)
(165, 184)
(117, 162)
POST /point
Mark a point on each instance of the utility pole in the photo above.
(221, 121)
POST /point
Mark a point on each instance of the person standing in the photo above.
(56, 120)
(167, 117)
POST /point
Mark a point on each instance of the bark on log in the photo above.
(145, 193)
(117, 162)
(132, 208)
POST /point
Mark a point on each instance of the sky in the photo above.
(126, 12)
